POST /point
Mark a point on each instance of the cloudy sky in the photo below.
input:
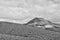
(25, 10)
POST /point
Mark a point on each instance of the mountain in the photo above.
(39, 22)
(44, 24)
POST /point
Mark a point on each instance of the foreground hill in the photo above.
(14, 31)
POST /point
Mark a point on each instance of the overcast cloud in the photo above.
(29, 9)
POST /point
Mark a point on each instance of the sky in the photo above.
(25, 11)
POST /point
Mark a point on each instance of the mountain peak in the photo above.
(38, 22)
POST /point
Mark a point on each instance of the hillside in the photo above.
(14, 31)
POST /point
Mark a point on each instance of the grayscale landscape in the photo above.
(29, 19)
